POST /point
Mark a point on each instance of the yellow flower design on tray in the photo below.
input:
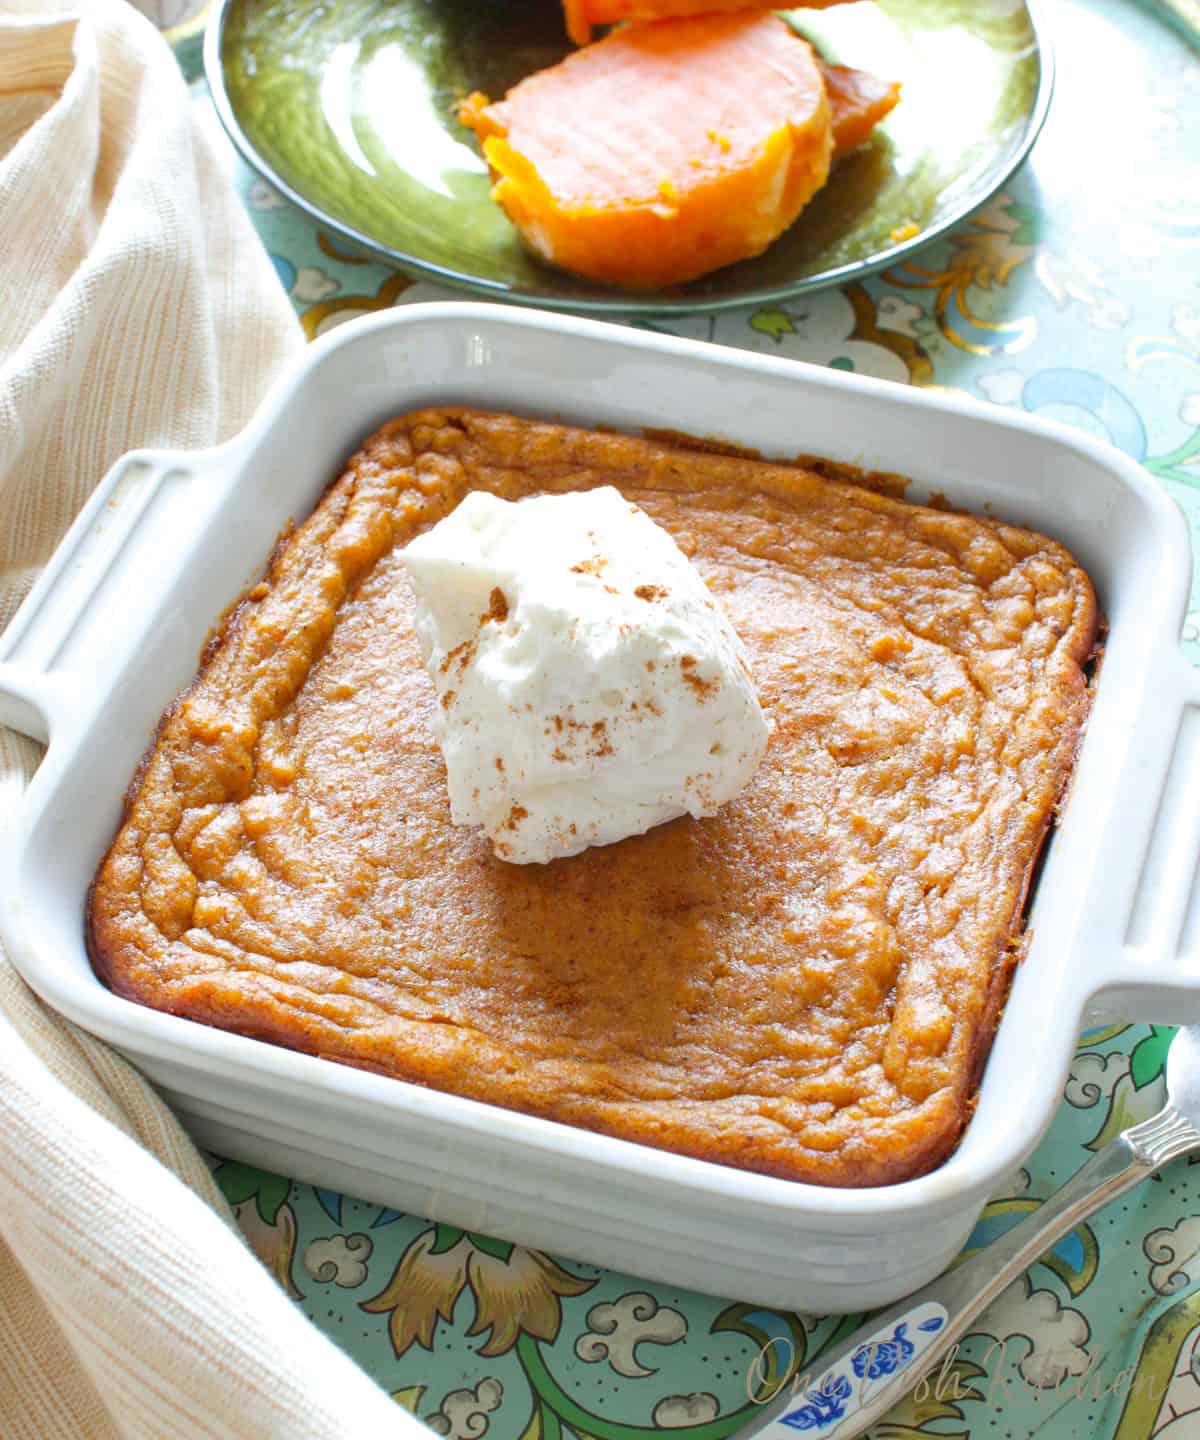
(1161, 1389)
(984, 254)
(846, 330)
(274, 1243)
(329, 313)
(515, 1290)
(994, 243)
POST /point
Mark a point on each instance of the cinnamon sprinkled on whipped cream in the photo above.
(588, 685)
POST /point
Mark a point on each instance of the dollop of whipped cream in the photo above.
(588, 685)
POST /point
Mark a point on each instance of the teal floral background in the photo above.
(1076, 295)
(478, 1337)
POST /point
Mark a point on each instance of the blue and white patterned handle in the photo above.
(825, 1405)
(864, 1375)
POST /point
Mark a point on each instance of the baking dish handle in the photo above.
(75, 609)
(1152, 973)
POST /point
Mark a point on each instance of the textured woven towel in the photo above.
(136, 308)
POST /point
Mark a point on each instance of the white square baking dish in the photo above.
(114, 628)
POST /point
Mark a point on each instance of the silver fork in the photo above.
(866, 1373)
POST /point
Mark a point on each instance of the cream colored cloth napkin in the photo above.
(137, 307)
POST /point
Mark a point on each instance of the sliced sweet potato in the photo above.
(663, 151)
(857, 103)
(582, 15)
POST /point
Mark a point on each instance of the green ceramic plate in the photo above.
(348, 107)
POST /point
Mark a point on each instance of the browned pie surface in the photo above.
(804, 985)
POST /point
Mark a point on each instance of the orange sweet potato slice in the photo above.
(857, 103)
(581, 15)
(663, 151)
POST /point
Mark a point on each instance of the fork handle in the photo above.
(864, 1375)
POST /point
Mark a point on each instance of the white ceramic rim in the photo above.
(331, 1087)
